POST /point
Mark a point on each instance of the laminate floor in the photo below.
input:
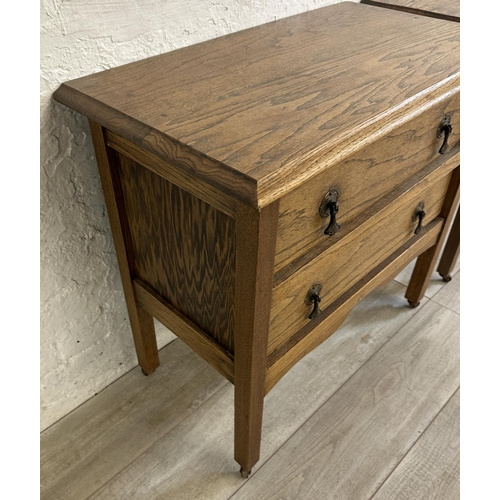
(373, 413)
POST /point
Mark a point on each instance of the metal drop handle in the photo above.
(418, 215)
(445, 128)
(329, 208)
(313, 299)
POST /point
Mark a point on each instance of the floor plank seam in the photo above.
(415, 443)
(158, 440)
(260, 465)
(95, 395)
(446, 307)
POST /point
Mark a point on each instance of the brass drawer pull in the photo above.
(419, 215)
(329, 207)
(445, 128)
(313, 299)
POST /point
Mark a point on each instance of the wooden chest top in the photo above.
(446, 9)
(258, 112)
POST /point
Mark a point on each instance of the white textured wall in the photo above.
(85, 335)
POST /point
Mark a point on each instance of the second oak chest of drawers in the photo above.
(260, 184)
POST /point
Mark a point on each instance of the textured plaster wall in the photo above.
(86, 341)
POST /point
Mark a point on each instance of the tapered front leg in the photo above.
(141, 322)
(255, 248)
(451, 250)
(426, 262)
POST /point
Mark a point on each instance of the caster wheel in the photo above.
(413, 304)
(245, 473)
(446, 278)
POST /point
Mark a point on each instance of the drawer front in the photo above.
(350, 259)
(361, 180)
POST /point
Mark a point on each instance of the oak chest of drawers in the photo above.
(260, 184)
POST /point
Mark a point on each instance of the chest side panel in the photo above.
(184, 249)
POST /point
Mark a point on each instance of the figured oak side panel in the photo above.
(184, 249)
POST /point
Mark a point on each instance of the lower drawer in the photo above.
(351, 258)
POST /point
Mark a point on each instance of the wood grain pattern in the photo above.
(449, 295)
(194, 461)
(184, 250)
(255, 250)
(141, 322)
(308, 338)
(351, 258)
(426, 263)
(173, 174)
(441, 9)
(258, 112)
(363, 179)
(83, 451)
(189, 333)
(356, 439)
(431, 470)
(451, 250)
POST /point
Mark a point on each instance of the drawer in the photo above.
(361, 180)
(342, 265)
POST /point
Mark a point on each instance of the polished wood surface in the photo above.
(255, 249)
(363, 179)
(204, 345)
(426, 263)
(281, 360)
(441, 9)
(184, 249)
(215, 157)
(255, 113)
(451, 250)
(355, 255)
(141, 322)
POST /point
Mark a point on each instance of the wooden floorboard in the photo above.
(430, 471)
(170, 435)
(89, 446)
(195, 460)
(449, 295)
(348, 448)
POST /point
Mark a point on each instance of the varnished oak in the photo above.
(305, 340)
(255, 249)
(214, 159)
(440, 9)
(426, 263)
(232, 110)
(363, 179)
(141, 322)
(351, 258)
(221, 359)
(451, 250)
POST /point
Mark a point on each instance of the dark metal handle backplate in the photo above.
(418, 215)
(329, 208)
(313, 299)
(445, 128)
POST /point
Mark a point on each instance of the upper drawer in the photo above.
(361, 180)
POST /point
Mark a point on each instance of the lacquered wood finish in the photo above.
(141, 322)
(363, 179)
(184, 249)
(451, 250)
(441, 9)
(256, 114)
(355, 255)
(214, 159)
